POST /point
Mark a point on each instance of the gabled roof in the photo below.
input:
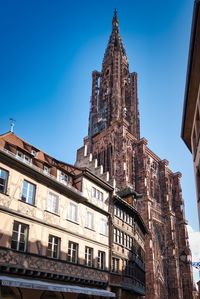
(11, 139)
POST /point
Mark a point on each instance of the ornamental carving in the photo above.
(20, 260)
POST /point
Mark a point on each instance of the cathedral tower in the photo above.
(114, 151)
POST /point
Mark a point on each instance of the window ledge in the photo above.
(92, 229)
(27, 203)
(52, 213)
(73, 221)
(102, 234)
(6, 194)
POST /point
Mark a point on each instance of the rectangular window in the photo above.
(53, 247)
(118, 237)
(115, 265)
(19, 236)
(46, 170)
(53, 203)
(62, 177)
(28, 192)
(90, 220)
(73, 212)
(125, 266)
(125, 240)
(115, 210)
(21, 156)
(127, 218)
(114, 235)
(122, 238)
(131, 243)
(103, 227)
(3, 180)
(73, 252)
(97, 194)
(89, 256)
(101, 260)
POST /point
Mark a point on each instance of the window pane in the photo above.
(53, 247)
(89, 256)
(19, 236)
(3, 180)
(103, 227)
(101, 260)
(52, 203)
(90, 220)
(73, 212)
(72, 252)
(28, 192)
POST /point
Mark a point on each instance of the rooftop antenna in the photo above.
(12, 124)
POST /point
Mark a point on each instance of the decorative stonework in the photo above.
(26, 209)
(119, 149)
(33, 263)
(5, 201)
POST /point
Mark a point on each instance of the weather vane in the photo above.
(12, 124)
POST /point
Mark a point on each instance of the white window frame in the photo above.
(72, 213)
(54, 244)
(89, 256)
(3, 180)
(23, 157)
(96, 193)
(62, 177)
(20, 236)
(73, 252)
(46, 170)
(26, 192)
(89, 220)
(103, 226)
(52, 202)
(101, 260)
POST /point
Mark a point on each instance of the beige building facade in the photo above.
(54, 240)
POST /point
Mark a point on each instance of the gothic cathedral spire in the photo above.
(114, 151)
(114, 89)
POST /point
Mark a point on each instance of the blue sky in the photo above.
(48, 50)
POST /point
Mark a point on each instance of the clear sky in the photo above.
(48, 50)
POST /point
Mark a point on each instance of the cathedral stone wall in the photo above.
(114, 151)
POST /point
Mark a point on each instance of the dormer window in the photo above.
(62, 177)
(34, 153)
(46, 170)
(21, 156)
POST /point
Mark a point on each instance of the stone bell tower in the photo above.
(114, 151)
(114, 117)
(114, 90)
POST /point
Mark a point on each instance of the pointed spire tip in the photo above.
(115, 21)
